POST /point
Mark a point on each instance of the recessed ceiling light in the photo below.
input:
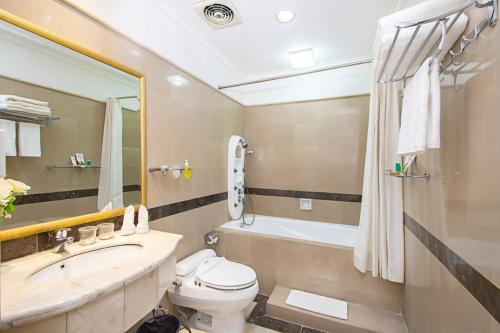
(302, 58)
(177, 80)
(285, 16)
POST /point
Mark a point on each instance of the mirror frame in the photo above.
(94, 217)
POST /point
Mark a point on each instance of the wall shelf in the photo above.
(54, 166)
(392, 173)
(27, 117)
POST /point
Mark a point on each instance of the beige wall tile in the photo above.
(459, 205)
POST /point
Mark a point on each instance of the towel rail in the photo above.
(27, 117)
(436, 49)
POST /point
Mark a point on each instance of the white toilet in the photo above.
(221, 291)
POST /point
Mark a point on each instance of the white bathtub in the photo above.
(327, 233)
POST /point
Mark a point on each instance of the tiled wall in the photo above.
(312, 146)
(192, 122)
(453, 257)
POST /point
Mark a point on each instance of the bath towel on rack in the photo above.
(13, 98)
(29, 140)
(420, 118)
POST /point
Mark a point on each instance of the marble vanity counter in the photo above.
(24, 299)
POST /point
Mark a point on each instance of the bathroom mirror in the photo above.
(71, 127)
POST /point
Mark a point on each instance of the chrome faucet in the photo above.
(62, 240)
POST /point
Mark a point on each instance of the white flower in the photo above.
(18, 187)
(5, 190)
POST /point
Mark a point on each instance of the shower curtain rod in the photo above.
(126, 97)
(286, 76)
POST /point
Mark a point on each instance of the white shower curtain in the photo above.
(111, 175)
(380, 244)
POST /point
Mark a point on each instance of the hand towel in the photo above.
(9, 144)
(6, 98)
(434, 121)
(413, 130)
(3, 167)
(29, 140)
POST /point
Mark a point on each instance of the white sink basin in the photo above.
(84, 263)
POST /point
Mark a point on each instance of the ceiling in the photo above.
(338, 31)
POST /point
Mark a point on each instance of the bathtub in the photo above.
(320, 232)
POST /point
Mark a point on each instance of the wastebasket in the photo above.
(160, 323)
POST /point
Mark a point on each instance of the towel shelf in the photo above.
(27, 117)
(54, 166)
(391, 173)
(445, 21)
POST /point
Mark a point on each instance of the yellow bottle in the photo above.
(186, 171)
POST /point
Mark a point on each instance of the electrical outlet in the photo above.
(306, 204)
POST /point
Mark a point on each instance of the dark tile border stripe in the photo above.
(64, 195)
(482, 289)
(183, 206)
(306, 194)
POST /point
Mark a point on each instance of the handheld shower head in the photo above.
(243, 142)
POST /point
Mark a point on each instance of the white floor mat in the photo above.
(320, 304)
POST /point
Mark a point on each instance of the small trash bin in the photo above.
(161, 323)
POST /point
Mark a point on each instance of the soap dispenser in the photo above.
(186, 172)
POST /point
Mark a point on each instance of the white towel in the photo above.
(29, 106)
(9, 144)
(29, 140)
(11, 106)
(6, 98)
(421, 111)
(434, 121)
(3, 167)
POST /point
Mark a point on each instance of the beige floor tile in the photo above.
(249, 328)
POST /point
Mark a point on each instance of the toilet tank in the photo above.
(189, 264)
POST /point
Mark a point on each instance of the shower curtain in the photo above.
(380, 243)
(111, 175)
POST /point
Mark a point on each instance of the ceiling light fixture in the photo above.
(285, 16)
(177, 80)
(302, 58)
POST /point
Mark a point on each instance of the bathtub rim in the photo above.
(223, 229)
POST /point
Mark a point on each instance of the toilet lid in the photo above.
(220, 273)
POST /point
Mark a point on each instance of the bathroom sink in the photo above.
(83, 263)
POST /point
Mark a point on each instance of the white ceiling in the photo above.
(337, 30)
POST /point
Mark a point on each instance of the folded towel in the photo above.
(3, 172)
(29, 140)
(387, 29)
(9, 107)
(6, 98)
(29, 106)
(9, 144)
(420, 118)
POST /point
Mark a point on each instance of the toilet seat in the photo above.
(219, 273)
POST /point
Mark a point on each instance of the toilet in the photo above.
(220, 290)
